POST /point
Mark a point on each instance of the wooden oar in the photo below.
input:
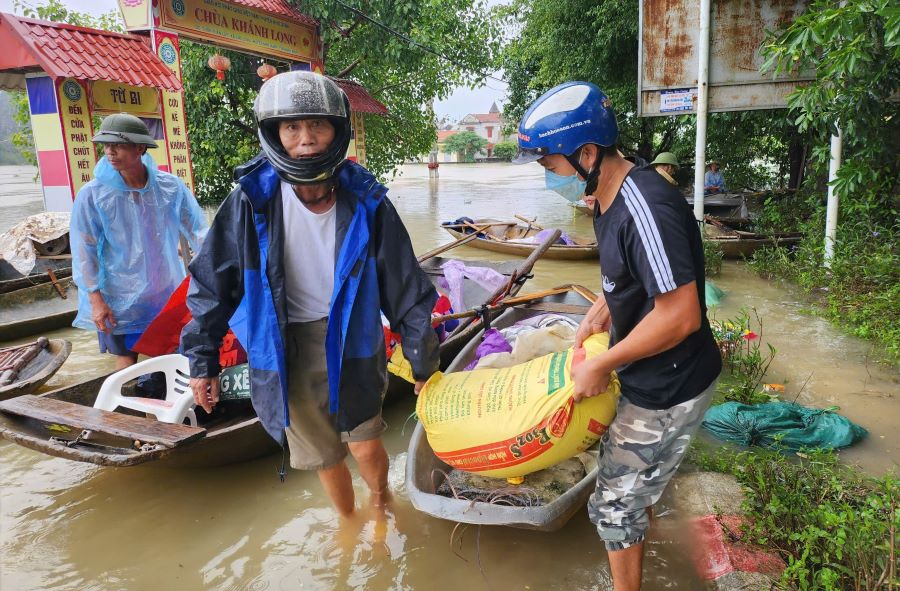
(523, 299)
(502, 304)
(585, 293)
(445, 247)
(475, 228)
(467, 224)
(56, 284)
(531, 223)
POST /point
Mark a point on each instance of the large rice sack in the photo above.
(512, 421)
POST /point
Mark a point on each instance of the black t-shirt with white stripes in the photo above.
(650, 244)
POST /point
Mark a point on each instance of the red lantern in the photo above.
(266, 71)
(220, 64)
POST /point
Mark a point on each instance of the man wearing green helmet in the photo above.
(666, 164)
(125, 231)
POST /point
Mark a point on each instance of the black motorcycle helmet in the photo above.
(302, 95)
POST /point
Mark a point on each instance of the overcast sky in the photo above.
(462, 102)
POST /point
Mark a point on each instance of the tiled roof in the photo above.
(360, 99)
(279, 7)
(444, 134)
(487, 117)
(90, 54)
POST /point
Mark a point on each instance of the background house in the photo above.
(488, 125)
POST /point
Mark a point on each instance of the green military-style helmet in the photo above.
(666, 158)
(122, 128)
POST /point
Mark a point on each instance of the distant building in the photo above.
(488, 125)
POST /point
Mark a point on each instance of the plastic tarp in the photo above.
(16, 243)
(782, 425)
(714, 294)
(455, 272)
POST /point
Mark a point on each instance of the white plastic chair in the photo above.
(179, 402)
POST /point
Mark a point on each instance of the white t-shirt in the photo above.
(308, 258)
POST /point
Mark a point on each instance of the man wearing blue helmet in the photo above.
(661, 345)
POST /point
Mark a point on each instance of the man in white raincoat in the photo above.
(124, 234)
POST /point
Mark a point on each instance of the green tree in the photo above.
(467, 143)
(505, 150)
(400, 73)
(854, 49)
(221, 127)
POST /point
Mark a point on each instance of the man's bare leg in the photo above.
(123, 361)
(372, 459)
(338, 484)
(625, 566)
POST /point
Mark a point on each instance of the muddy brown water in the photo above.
(66, 525)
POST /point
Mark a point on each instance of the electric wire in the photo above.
(408, 39)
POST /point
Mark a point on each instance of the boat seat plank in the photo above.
(93, 419)
(558, 308)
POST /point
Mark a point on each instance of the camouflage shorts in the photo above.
(641, 452)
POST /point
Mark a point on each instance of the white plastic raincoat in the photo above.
(125, 243)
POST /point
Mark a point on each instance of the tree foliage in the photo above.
(854, 48)
(505, 150)
(467, 143)
(221, 127)
(402, 75)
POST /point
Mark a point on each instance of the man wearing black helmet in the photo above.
(661, 345)
(301, 260)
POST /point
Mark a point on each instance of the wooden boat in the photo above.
(54, 423)
(46, 269)
(425, 472)
(583, 209)
(30, 365)
(739, 247)
(512, 238)
(738, 244)
(730, 207)
(474, 295)
(37, 309)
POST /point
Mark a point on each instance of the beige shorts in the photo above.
(313, 438)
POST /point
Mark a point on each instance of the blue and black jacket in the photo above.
(238, 280)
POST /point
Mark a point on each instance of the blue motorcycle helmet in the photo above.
(564, 119)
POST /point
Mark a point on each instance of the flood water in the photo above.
(66, 525)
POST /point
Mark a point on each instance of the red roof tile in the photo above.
(281, 8)
(443, 134)
(487, 117)
(360, 100)
(91, 54)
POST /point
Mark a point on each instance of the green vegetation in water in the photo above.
(712, 258)
(860, 290)
(834, 527)
(745, 363)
